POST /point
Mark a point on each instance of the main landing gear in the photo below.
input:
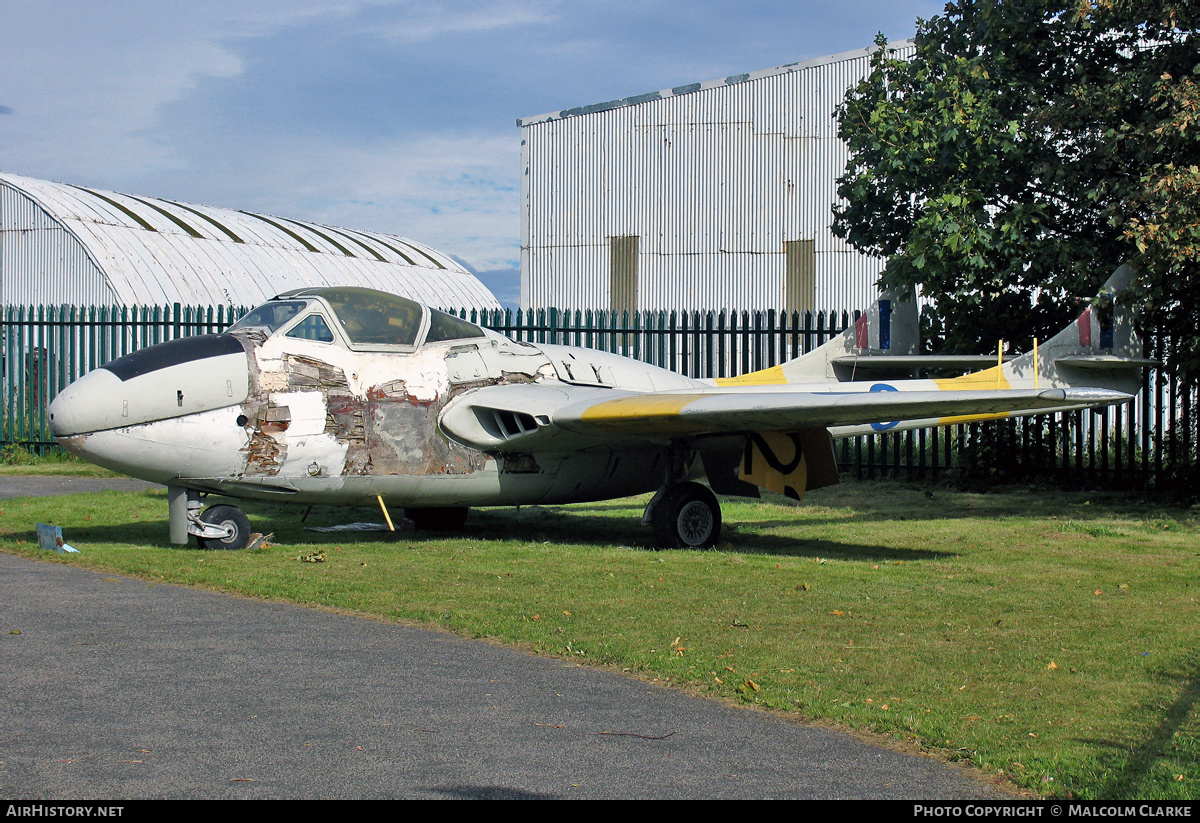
(685, 516)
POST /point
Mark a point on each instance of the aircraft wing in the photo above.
(528, 417)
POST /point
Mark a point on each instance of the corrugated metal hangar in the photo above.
(64, 244)
(706, 196)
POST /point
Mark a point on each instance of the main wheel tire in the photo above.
(228, 517)
(687, 516)
(438, 520)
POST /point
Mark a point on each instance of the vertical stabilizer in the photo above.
(1100, 349)
(890, 327)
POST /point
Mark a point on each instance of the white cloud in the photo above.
(427, 20)
(457, 193)
(460, 194)
(87, 80)
(395, 115)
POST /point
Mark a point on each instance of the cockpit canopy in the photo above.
(368, 320)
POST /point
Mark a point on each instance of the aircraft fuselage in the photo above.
(279, 417)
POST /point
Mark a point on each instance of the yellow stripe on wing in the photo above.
(766, 377)
(624, 412)
(970, 418)
(993, 378)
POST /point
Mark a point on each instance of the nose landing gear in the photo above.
(233, 525)
(218, 527)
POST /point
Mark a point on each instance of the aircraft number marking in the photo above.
(769, 455)
(790, 477)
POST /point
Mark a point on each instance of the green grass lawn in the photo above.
(16, 461)
(1047, 636)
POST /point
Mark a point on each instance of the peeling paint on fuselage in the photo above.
(382, 409)
(320, 410)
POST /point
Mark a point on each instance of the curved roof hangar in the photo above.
(61, 243)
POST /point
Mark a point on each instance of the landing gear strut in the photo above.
(686, 516)
(218, 527)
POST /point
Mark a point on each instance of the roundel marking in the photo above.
(882, 427)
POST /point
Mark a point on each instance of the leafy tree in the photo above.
(1029, 148)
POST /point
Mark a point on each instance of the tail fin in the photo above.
(884, 337)
(1101, 349)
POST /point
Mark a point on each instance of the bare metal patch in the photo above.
(400, 436)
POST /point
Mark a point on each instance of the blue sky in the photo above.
(391, 116)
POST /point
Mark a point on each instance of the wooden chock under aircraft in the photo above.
(346, 396)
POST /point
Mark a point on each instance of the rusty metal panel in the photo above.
(94, 246)
(800, 279)
(713, 177)
(623, 276)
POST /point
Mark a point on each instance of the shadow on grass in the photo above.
(601, 525)
(604, 525)
(1131, 766)
(617, 522)
(867, 501)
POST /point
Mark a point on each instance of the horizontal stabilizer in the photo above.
(1105, 362)
(890, 362)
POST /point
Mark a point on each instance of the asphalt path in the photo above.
(50, 485)
(118, 688)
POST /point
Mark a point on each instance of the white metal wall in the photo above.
(713, 178)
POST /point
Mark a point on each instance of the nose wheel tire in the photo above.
(687, 516)
(233, 520)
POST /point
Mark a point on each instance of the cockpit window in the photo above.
(270, 316)
(444, 326)
(375, 318)
(312, 327)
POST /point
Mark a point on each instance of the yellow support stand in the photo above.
(386, 516)
(1036, 370)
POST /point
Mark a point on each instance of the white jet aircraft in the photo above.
(348, 396)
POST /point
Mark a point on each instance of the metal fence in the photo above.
(1148, 442)
(698, 344)
(45, 348)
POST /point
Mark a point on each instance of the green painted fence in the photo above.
(1149, 442)
(44, 348)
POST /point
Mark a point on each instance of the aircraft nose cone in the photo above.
(81, 407)
(173, 379)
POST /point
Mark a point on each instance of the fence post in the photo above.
(722, 368)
